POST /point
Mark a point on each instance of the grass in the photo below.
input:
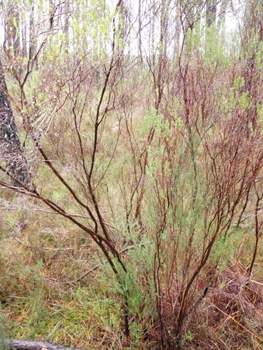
(42, 258)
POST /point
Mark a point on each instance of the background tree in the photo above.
(10, 146)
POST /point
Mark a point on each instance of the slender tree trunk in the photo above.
(210, 12)
(222, 14)
(10, 147)
(11, 30)
(24, 34)
(32, 36)
(66, 26)
(140, 29)
(177, 31)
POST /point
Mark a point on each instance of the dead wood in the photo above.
(18, 344)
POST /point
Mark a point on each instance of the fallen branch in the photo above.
(33, 345)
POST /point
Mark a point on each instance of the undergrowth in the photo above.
(56, 287)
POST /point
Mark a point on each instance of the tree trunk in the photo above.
(11, 30)
(211, 12)
(10, 147)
